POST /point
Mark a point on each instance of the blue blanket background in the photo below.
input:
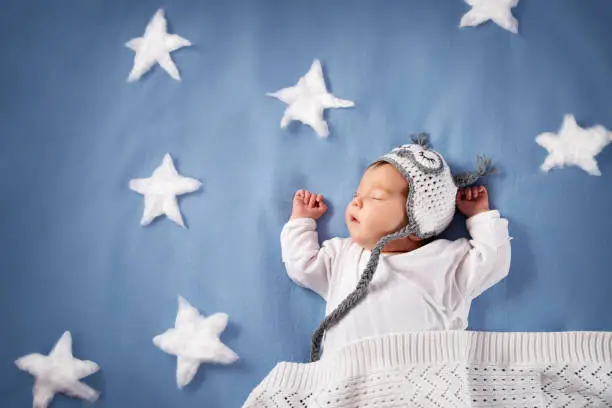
(73, 132)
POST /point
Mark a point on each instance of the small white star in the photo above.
(160, 192)
(59, 372)
(308, 99)
(195, 340)
(499, 11)
(574, 146)
(155, 47)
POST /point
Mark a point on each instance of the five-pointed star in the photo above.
(195, 340)
(58, 372)
(160, 192)
(499, 11)
(574, 146)
(308, 99)
(155, 47)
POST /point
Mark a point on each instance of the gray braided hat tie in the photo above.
(430, 207)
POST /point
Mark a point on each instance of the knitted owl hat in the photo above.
(430, 208)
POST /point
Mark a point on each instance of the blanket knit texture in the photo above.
(449, 369)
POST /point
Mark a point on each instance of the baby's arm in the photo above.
(307, 263)
(488, 260)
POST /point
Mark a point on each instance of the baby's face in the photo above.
(379, 205)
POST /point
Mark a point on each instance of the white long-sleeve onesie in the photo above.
(430, 288)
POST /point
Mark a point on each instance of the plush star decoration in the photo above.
(155, 47)
(195, 340)
(308, 99)
(498, 11)
(59, 372)
(160, 192)
(574, 146)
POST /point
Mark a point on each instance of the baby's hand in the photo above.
(472, 200)
(308, 205)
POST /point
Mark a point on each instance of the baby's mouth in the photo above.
(355, 220)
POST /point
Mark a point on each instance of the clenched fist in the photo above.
(308, 205)
(472, 200)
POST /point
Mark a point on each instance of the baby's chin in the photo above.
(359, 239)
(353, 234)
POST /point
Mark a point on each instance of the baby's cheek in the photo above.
(398, 220)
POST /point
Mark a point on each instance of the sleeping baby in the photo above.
(392, 275)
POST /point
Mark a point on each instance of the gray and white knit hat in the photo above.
(430, 208)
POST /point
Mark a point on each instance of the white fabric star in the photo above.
(160, 192)
(59, 372)
(308, 99)
(195, 340)
(574, 146)
(155, 47)
(499, 11)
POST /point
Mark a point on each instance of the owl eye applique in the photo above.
(427, 160)
(431, 160)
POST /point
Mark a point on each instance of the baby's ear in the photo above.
(414, 238)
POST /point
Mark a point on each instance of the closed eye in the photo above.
(429, 159)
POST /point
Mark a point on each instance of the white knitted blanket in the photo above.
(449, 369)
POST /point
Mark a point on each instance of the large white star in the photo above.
(160, 192)
(195, 340)
(308, 99)
(574, 146)
(59, 372)
(499, 11)
(155, 47)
